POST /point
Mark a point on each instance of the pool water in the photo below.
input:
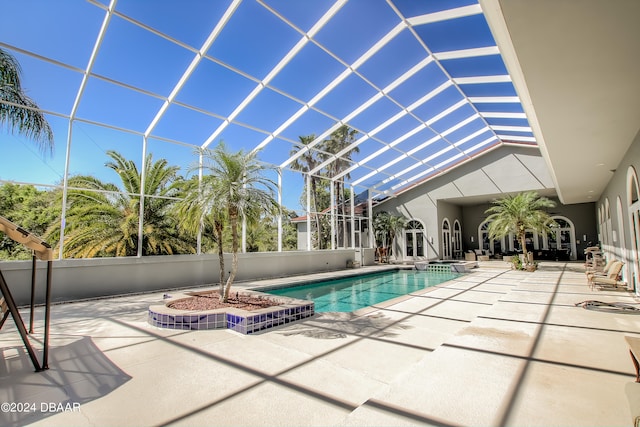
(352, 293)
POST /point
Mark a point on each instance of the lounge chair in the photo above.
(611, 279)
(593, 272)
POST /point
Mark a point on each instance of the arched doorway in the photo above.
(562, 237)
(446, 239)
(414, 240)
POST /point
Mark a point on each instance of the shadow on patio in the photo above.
(79, 373)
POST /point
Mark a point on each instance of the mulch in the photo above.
(211, 301)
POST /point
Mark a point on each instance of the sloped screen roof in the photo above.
(422, 82)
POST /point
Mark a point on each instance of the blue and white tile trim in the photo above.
(245, 322)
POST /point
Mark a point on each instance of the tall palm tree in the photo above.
(305, 163)
(238, 184)
(19, 112)
(338, 141)
(103, 221)
(518, 213)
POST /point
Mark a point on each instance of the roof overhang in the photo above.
(575, 67)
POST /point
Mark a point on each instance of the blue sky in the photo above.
(416, 105)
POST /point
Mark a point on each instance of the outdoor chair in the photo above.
(611, 279)
(599, 272)
(593, 257)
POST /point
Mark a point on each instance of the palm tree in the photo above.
(103, 221)
(201, 210)
(261, 235)
(340, 140)
(239, 186)
(518, 213)
(385, 227)
(305, 163)
(18, 111)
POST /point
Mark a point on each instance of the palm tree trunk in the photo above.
(218, 231)
(344, 217)
(314, 192)
(233, 220)
(523, 243)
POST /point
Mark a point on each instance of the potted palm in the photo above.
(516, 214)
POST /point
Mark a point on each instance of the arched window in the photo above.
(457, 239)
(633, 202)
(446, 239)
(606, 230)
(494, 246)
(414, 240)
(508, 243)
(621, 246)
(562, 238)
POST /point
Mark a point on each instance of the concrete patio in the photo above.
(495, 347)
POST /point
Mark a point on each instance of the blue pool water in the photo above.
(353, 293)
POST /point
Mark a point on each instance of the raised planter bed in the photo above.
(244, 321)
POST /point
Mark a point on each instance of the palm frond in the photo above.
(19, 112)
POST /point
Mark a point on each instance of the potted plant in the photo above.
(517, 214)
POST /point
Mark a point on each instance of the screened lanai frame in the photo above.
(422, 82)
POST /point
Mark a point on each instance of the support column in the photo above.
(279, 209)
(201, 227)
(353, 218)
(65, 189)
(309, 212)
(143, 178)
(47, 316)
(332, 196)
(372, 242)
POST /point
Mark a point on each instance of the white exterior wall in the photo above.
(479, 177)
(621, 222)
(302, 235)
(97, 277)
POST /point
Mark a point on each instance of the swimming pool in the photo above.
(353, 293)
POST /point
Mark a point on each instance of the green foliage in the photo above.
(322, 199)
(30, 208)
(22, 115)
(518, 213)
(102, 221)
(233, 190)
(262, 236)
(336, 152)
(385, 228)
(289, 232)
(516, 261)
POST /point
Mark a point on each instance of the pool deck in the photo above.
(494, 348)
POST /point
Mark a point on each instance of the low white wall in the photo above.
(75, 279)
(368, 256)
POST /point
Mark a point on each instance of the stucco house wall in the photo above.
(582, 216)
(451, 196)
(617, 196)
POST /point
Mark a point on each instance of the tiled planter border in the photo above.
(245, 322)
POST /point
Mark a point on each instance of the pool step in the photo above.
(446, 267)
